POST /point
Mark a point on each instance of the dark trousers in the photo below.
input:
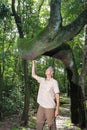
(45, 114)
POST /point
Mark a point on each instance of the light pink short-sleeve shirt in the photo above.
(47, 91)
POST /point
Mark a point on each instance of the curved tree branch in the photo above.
(47, 40)
(75, 27)
(17, 19)
(65, 54)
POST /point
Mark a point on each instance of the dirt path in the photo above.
(10, 122)
(63, 121)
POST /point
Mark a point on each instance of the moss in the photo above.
(24, 43)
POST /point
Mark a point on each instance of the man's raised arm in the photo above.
(33, 70)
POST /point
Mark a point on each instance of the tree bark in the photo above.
(51, 38)
(27, 94)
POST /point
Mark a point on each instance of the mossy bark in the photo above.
(50, 38)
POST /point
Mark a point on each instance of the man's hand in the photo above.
(33, 69)
(57, 104)
(34, 62)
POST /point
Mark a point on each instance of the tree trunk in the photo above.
(82, 82)
(27, 94)
(74, 98)
(78, 115)
(1, 88)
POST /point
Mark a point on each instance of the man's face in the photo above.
(49, 72)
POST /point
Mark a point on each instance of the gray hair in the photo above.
(51, 68)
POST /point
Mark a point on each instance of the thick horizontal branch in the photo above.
(47, 40)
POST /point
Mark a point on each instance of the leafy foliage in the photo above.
(71, 9)
(4, 10)
(13, 103)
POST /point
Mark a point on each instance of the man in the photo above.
(48, 99)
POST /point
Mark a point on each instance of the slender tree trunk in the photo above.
(27, 94)
(1, 86)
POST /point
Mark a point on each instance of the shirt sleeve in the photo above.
(39, 79)
(56, 87)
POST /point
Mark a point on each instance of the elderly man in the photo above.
(48, 99)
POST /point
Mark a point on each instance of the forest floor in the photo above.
(63, 121)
